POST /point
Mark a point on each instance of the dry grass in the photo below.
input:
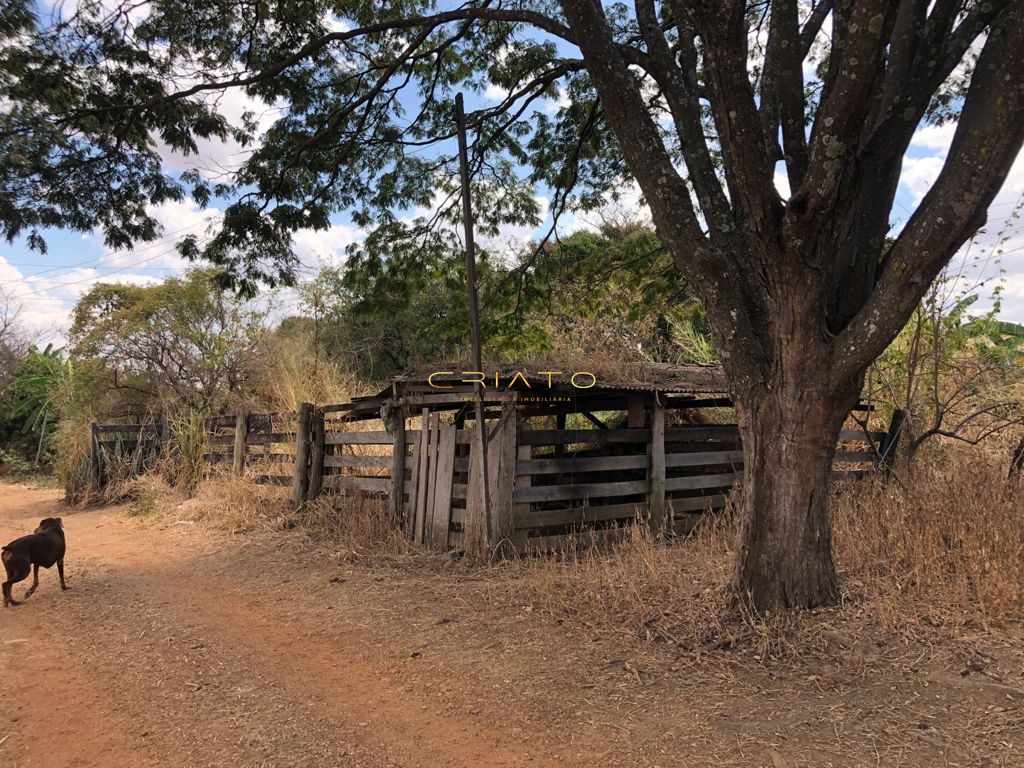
(238, 505)
(291, 378)
(939, 560)
(945, 546)
(356, 527)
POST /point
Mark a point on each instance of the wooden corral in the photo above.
(654, 443)
(566, 452)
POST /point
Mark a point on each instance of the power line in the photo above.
(87, 262)
(94, 278)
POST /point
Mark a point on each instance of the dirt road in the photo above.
(180, 645)
(158, 655)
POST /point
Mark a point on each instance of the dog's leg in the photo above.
(8, 598)
(60, 570)
(35, 582)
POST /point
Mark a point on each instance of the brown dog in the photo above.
(43, 548)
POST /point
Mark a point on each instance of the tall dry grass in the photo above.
(294, 376)
(941, 551)
(72, 451)
(355, 526)
(944, 545)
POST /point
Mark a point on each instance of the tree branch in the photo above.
(988, 138)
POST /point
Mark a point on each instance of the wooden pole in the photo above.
(474, 315)
(241, 432)
(398, 463)
(656, 497)
(300, 473)
(318, 450)
(95, 458)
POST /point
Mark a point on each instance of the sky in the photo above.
(48, 285)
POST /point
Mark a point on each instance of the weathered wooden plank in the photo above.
(707, 432)
(580, 491)
(522, 480)
(435, 437)
(569, 436)
(398, 463)
(698, 503)
(704, 459)
(701, 481)
(656, 476)
(459, 490)
(423, 477)
(358, 438)
(346, 460)
(526, 519)
(412, 490)
(317, 454)
(272, 458)
(502, 471)
(441, 517)
(351, 482)
(456, 398)
(849, 474)
(269, 439)
(372, 404)
(300, 471)
(241, 431)
(571, 464)
(216, 458)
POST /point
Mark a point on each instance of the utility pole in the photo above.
(474, 314)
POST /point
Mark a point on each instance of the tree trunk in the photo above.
(790, 426)
(789, 439)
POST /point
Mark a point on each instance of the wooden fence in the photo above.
(543, 483)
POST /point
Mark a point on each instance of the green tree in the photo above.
(31, 403)
(180, 342)
(697, 102)
(956, 375)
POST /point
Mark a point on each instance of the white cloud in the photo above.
(495, 92)
(325, 248)
(919, 173)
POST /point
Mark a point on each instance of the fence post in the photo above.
(241, 433)
(398, 463)
(656, 496)
(316, 461)
(300, 473)
(95, 457)
(891, 441)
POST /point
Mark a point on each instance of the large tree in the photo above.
(696, 101)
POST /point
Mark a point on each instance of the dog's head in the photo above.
(50, 524)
